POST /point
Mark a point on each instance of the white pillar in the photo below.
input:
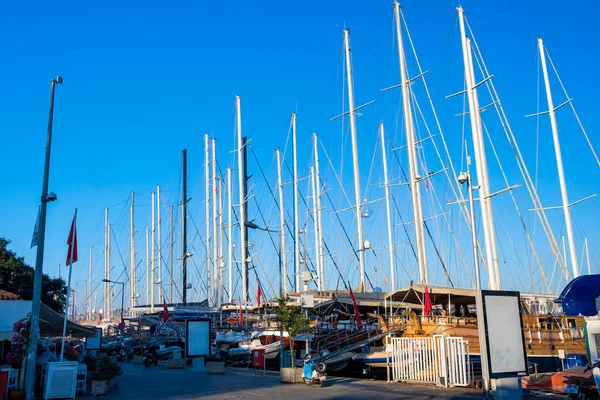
(559, 164)
(388, 210)
(357, 197)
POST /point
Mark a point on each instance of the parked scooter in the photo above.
(150, 357)
(581, 388)
(314, 373)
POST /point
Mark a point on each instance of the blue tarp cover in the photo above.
(579, 296)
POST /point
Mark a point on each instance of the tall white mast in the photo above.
(106, 265)
(388, 209)
(229, 237)
(207, 214)
(559, 164)
(159, 243)
(316, 226)
(221, 227)
(171, 254)
(480, 160)
(91, 305)
(132, 278)
(587, 256)
(415, 178)
(357, 198)
(283, 255)
(319, 217)
(153, 251)
(297, 272)
(242, 217)
(148, 272)
(214, 223)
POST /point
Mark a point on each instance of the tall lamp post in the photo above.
(122, 297)
(281, 278)
(39, 261)
(465, 177)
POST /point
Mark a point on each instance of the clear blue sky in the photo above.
(143, 80)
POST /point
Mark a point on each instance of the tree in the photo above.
(17, 277)
(293, 321)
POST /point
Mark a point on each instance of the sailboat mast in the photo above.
(229, 237)
(296, 216)
(388, 209)
(319, 217)
(316, 227)
(132, 279)
(215, 234)
(480, 160)
(184, 251)
(357, 197)
(243, 240)
(159, 244)
(587, 256)
(282, 251)
(207, 214)
(147, 265)
(106, 265)
(415, 178)
(153, 251)
(221, 227)
(90, 304)
(171, 254)
(559, 164)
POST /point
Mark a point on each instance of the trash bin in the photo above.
(258, 358)
(3, 384)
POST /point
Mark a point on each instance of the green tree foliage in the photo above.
(17, 277)
(292, 319)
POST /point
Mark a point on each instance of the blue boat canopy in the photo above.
(579, 296)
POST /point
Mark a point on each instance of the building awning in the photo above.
(579, 296)
(51, 322)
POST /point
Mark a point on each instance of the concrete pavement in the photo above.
(139, 382)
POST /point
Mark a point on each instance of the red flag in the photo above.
(426, 302)
(99, 319)
(166, 314)
(356, 313)
(241, 316)
(426, 184)
(258, 294)
(72, 242)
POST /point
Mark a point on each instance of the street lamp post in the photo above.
(39, 261)
(122, 295)
(465, 177)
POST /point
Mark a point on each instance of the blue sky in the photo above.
(144, 80)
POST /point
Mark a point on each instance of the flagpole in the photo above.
(70, 253)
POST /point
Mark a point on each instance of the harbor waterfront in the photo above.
(231, 227)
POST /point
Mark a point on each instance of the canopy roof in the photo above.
(439, 295)
(51, 322)
(579, 296)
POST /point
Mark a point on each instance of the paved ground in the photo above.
(139, 382)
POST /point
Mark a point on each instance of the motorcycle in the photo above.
(314, 372)
(150, 357)
(584, 388)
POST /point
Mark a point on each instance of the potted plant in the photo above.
(105, 376)
(293, 320)
(17, 355)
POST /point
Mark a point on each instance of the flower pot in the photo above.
(99, 388)
(291, 375)
(16, 395)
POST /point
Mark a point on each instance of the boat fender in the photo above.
(321, 366)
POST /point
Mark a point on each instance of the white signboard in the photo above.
(197, 338)
(507, 356)
(307, 301)
(60, 380)
(94, 343)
